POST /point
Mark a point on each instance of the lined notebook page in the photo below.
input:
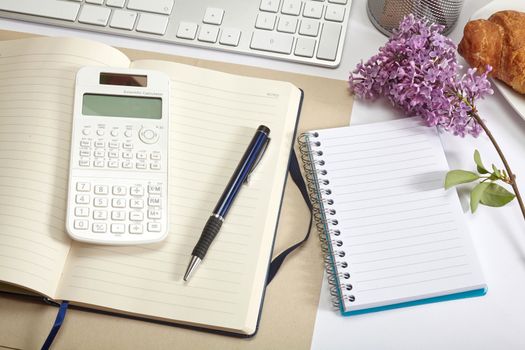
(212, 119)
(36, 96)
(402, 234)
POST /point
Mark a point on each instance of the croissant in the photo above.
(499, 42)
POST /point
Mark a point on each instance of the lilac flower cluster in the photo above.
(417, 70)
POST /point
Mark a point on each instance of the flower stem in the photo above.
(512, 177)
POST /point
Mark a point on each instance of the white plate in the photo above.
(516, 100)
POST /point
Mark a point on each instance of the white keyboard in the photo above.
(304, 31)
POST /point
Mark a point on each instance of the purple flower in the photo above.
(417, 71)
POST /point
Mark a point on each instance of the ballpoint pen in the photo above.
(248, 162)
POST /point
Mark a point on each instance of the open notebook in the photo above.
(213, 116)
(392, 235)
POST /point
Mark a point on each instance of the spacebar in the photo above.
(45, 8)
(273, 42)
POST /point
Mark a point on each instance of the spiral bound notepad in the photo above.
(391, 234)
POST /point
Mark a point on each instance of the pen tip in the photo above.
(192, 266)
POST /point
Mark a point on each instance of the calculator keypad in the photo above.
(134, 209)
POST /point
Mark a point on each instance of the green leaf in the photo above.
(496, 196)
(475, 195)
(479, 163)
(496, 171)
(456, 177)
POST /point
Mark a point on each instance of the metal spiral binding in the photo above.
(325, 216)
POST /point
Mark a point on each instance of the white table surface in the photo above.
(494, 321)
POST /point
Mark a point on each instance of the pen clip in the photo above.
(257, 161)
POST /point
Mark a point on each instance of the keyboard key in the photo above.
(287, 24)
(213, 15)
(118, 215)
(230, 37)
(83, 186)
(99, 227)
(154, 189)
(82, 199)
(117, 228)
(81, 224)
(100, 202)
(272, 42)
(64, 10)
(154, 226)
(329, 41)
(96, 2)
(291, 7)
(305, 47)
(100, 214)
(153, 24)
(101, 189)
(309, 27)
(136, 216)
(187, 30)
(154, 213)
(208, 33)
(118, 203)
(265, 21)
(115, 3)
(82, 212)
(96, 15)
(270, 5)
(156, 6)
(313, 9)
(135, 228)
(335, 13)
(119, 190)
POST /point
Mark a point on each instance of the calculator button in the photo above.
(100, 214)
(127, 145)
(154, 201)
(99, 144)
(154, 213)
(82, 212)
(127, 155)
(117, 228)
(99, 153)
(86, 131)
(136, 216)
(113, 144)
(114, 133)
(113, 153)
(141, 155)
(127, 164)
(136, 203)
(85, 153)
(99, 163)
(128, 133)
(85, 143)
(141, 165)
(83, 162)
(101, 189)
(119, 190)
(135, 228)
(82, 199)
(83, 186)
(155, 156)
(118, 215)
(99, 227)
(81, 224)
(136, 191)
(118, 203)
(113, 163)
(154, 226)
(150, 135)
(101, 132)
(155, 166)
(154, 188)
(100, 202)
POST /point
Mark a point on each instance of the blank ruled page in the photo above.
(213, 117)
(37, 78)
(402, 234)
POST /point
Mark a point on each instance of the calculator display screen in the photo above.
(122, 106)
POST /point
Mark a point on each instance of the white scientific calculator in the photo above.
(118, 177)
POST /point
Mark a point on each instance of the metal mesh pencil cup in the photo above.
(386, 14)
